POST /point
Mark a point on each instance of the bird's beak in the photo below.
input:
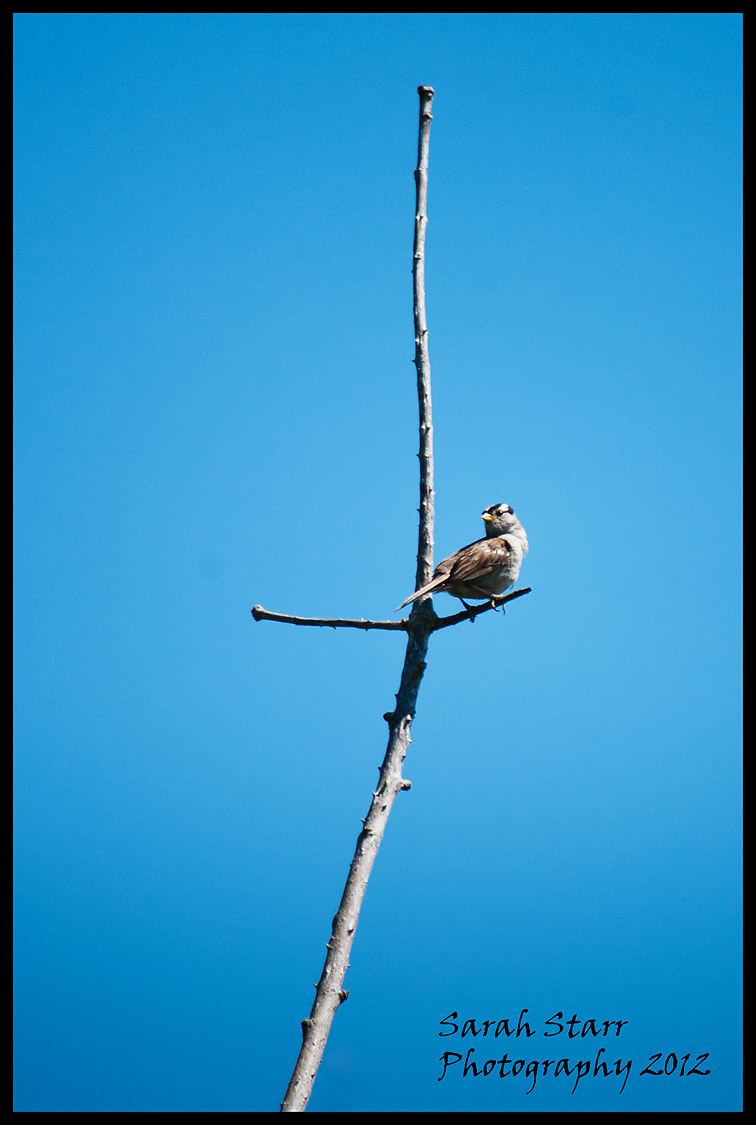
(487, 517)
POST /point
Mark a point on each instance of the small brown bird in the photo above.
(484, 568)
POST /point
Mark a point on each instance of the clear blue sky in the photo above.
(215, 407)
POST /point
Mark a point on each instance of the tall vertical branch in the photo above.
(422, 360)
(421, 623)
(329, 991)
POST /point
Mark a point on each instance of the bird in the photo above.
(484, 568)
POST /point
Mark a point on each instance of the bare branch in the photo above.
(422, 359)
(330, 992)
(261, 614)
(434, 623)
(475, 611)
(421, 623)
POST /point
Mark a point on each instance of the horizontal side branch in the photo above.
(261, 614)
(404, 625)
(474, 611)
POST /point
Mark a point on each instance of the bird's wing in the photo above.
(477, 559)
(468, 563)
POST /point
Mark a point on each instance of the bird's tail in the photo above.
(419, 593)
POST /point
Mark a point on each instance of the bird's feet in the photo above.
(469, 608)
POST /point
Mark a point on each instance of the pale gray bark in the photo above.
(422, 358)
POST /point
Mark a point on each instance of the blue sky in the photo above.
(215, 407)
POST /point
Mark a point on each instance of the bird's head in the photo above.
(499, 520)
